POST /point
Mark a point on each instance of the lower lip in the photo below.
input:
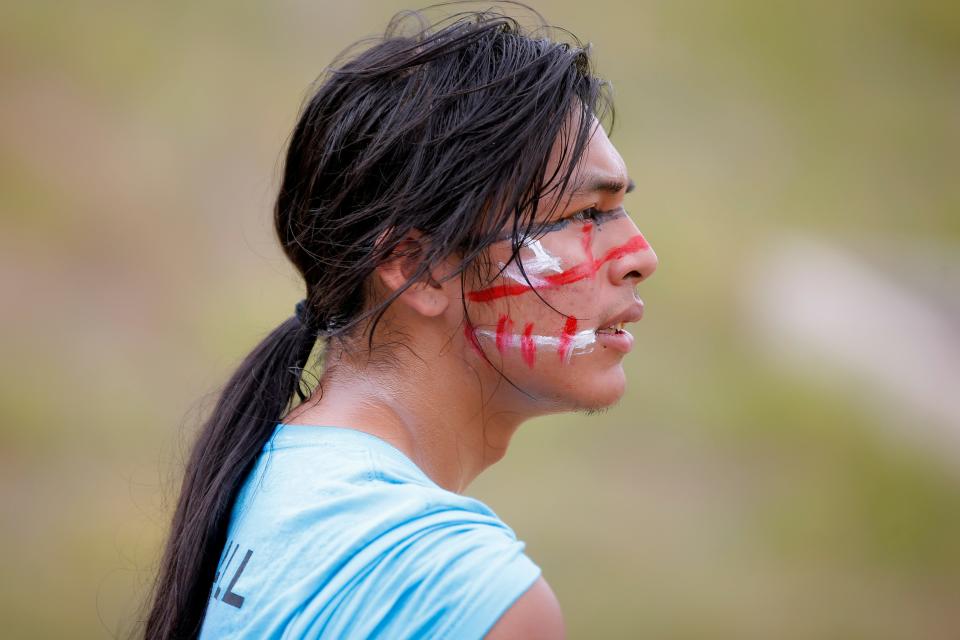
(622, 342)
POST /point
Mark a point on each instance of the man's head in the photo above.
(455, 185)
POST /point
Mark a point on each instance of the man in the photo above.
(457, 214)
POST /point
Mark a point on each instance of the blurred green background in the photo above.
(785, 464)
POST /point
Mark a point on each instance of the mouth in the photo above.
(613, 329)
(615, 325)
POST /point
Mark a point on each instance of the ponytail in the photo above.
(252, 402)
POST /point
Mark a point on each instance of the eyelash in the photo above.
(593, 212)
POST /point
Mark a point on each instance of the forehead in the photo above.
(600, 164)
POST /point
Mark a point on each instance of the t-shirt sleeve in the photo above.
(446, 574)
(476, 574)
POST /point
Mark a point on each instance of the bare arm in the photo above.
(535, 615)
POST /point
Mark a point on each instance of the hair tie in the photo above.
(307, 318)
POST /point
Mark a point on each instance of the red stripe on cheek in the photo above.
(504, 327)
(527, 347)
(585, 240)
(499, 291)
(586, 269)
(566, 338)
(571, 275)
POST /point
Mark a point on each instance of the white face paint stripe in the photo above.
(542, 262)
(580, 342)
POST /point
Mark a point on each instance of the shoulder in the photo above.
(472, 569)
(535, 615)
(457, 569)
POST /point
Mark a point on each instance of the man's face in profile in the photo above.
(585, 266)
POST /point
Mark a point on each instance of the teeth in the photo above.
(614, 328)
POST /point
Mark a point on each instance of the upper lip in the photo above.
(633, 313)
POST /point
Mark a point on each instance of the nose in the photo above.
(634, 262)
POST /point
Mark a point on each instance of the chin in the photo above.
(586, 388)
(602, 401)
(600, 391)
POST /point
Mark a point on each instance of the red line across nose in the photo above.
(586, 269)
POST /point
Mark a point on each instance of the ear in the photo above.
(426, 296)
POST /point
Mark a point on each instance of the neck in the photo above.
(433, 410)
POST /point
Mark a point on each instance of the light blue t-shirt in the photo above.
(337, 534)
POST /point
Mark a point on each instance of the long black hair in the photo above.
(444, 129)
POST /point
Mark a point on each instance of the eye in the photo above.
(590, 213)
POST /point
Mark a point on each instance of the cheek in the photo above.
(535, 343)
(556, 261)
(526, 328)
(510, 317)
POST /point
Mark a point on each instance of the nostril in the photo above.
(632, 275)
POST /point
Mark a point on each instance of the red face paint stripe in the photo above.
(571, 275)
(634, 244)
(569, 330)
(504, 329)
(527, 347)
(585, 239)
(499, 291)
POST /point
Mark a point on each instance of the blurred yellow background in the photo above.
(785, 464)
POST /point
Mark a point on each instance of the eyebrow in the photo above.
(604, 184)
(593, 184)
